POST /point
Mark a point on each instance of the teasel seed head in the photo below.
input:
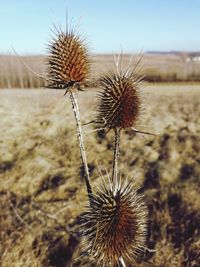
(119, 102)
(114, 225)
(68, 61)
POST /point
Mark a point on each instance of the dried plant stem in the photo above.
(81, 143)
(115, 171)
(116, 155)
(142, 132)
(18, 216)
(122, 263)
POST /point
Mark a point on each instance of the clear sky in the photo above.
(134, 25)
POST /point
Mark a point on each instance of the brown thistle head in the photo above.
(114, 226)
(119, 102)
(68, 60)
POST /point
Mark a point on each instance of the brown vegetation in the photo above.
(157, 68)
(114, 225)
(13, 74)
(42, 196)
(68, 61)
(119, 101)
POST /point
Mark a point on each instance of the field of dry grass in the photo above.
(42, 194)
(156, 68)
(13, 74)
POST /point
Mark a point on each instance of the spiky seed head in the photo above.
(114, 225)
(119, 102)
(68, 60)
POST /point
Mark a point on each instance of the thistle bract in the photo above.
(68, 61)
(114, 225)
(119, 102)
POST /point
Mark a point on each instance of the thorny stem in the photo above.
(116, 156)
(81, 143)
(141, 132)
(115, 172)
(122, 263)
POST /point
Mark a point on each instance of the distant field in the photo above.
(42, 194)
(155, 67)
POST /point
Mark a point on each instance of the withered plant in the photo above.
(114, 226)
(119, 102)
(69, 69)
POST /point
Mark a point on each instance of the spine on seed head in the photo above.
(114, 226)
(68, 61)
(119, 101)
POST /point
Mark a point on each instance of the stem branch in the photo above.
(81, 143)
(122, 262)
(116, 156)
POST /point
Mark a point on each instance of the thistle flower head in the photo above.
(68, 60)
(119, 102)
(114, 226)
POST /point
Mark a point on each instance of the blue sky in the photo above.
(137, 25)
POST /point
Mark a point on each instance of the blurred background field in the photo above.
(156, 66)
(42, 194)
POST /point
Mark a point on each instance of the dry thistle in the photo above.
(119, 102)
(68, 68)
(68, 61)
(114, 226)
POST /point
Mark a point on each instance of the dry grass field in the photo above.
(42, 194)
(156, 67)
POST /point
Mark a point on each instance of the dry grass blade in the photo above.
(27, 66)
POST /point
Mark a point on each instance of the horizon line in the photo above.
(112, 53)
